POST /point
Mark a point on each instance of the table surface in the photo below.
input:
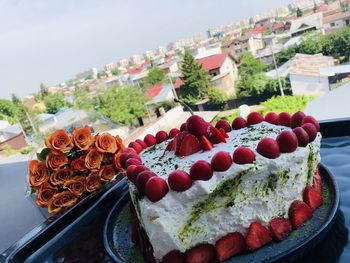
(21, 217)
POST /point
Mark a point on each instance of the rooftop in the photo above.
(306, 22)
(335, 17)
(309, 65)
(212, 62)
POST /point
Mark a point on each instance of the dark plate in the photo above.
(118, 243)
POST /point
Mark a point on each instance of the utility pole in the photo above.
(172, 87)
(277, 74)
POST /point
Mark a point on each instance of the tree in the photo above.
(54, 102)
(299, 12)
(217, 97)
(43, 91)
(286, 54)
(311, 43)
(258, 84)
(338, 44)
(115, 72)
(82, 99)
(196, 80)
(155, 75)
(250, 65)
(7, 111)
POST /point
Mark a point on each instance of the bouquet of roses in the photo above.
(73, 166)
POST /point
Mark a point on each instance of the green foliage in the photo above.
(299, 13)
(338, 44)
(54, 102)
(217, 97)
(290, 104)
(166, 105)
(258, 84)
(250, 65)
(155, 75)
(286, 54)
(196, 80)
(231, 117)
(42, 155)
(82, 99)
(121, 104)
(8, 150)
(8, 111)
(311, 43)
(26, 150)
(115, 72)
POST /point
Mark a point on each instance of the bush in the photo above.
(167, 105)
(217, 97)
(290, 104)
(26, 150)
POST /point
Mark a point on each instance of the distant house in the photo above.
(170, 67)
(279, 28)
(266, 55)
(12, 136)
(304, 24)
(159, 93)
(265, 22)
(336, 21)
(239, 45)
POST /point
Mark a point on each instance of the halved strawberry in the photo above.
(280, 228)
(189, 145)
(215, 135)
(312, 197)
(229, 246)
(223, 133)
(169, 147)
(204, 253)
(299, 213)
(177, 141)
(206, 144)
(317, 184)
(257, 236)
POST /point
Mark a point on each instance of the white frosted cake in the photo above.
(232, 198)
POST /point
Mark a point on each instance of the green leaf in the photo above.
(42, 155)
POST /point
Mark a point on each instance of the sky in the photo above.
(50, 41)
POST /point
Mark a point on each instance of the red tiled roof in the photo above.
(259, 29)
(154, 90)
(278, 26)
(335, 17)
(212, 62)
(134, 71)
(178, 83)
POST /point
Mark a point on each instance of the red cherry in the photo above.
(196, 125)
(132, 161)
(284, 119)
(311, 131)
(223, 124)
(150, 140)
(287, 141)
(303, 137)
(268, 148)
(201, 170)
(137, 147)
(272, 118)
(254, 118)
(135, 172)
(128, 155)
(243, 155)
(161, 136)
(221, 161)
(239, 123)
(179, 181)
(173, 132)
(142, 179)
(173, 256)
(183, 127)
(296, 119)
(142, 143)
(129, 171)
(310, 119)
(156, 188)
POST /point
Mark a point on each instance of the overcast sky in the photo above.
(50, 41)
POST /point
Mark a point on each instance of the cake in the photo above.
(205, 193)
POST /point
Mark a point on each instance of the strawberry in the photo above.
(317, 184)
(312, 197)
(128, 155)
(196, 125)
(271, 117)
(177, 141)
(299, 213)
(287, 141)
(132, 161)
(156, 188)
(204, 253)
(223, 124)
(141, 180)
(173, 132)
(296, 119)
(221, 161)
(223, 133)
(183, 127)
(257, 236)
(284, 119)
(303, 137)
(229, 246)
(201, 170)
(174, 256)
(130, 170)
(254, 118)
(161, 136)
(206, 144)
(280, 228)
(239, 123)
(136, 146)
(142, 143)
(310, 119)
(135, 172)
(243, 155)
(268, 148)
(169, 147)
(150, 140)
(311, 131)
(215, 135)
(189, 145)
(179, 181)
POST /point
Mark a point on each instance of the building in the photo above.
(170, 67)
(136, 59)
(239, 45)
(304, 24)
(336, 21)
(280, 27)
(110, 66)
(161, 51)
(206, 51)
(149, 54)
(91, 73)
(136, 75)
(266, 54)
(305, 75)
(159, 93)
(12, 136)
(123, 63)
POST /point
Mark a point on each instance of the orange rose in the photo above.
(55, 161)
(78, 165)
(119, 143)
(93, 160)
(76, 185)
(59, 141)
(83, 138)
(105, 143)
(61, 176)
(38, 173)
(45, 194)
(107, 172)
(117, 164)
(60, 200)
(93, 182)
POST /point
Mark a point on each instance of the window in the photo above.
(332, 24)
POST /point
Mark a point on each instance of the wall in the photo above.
(225, 83)
(337, 25)
(307, 85)
(17, 142)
